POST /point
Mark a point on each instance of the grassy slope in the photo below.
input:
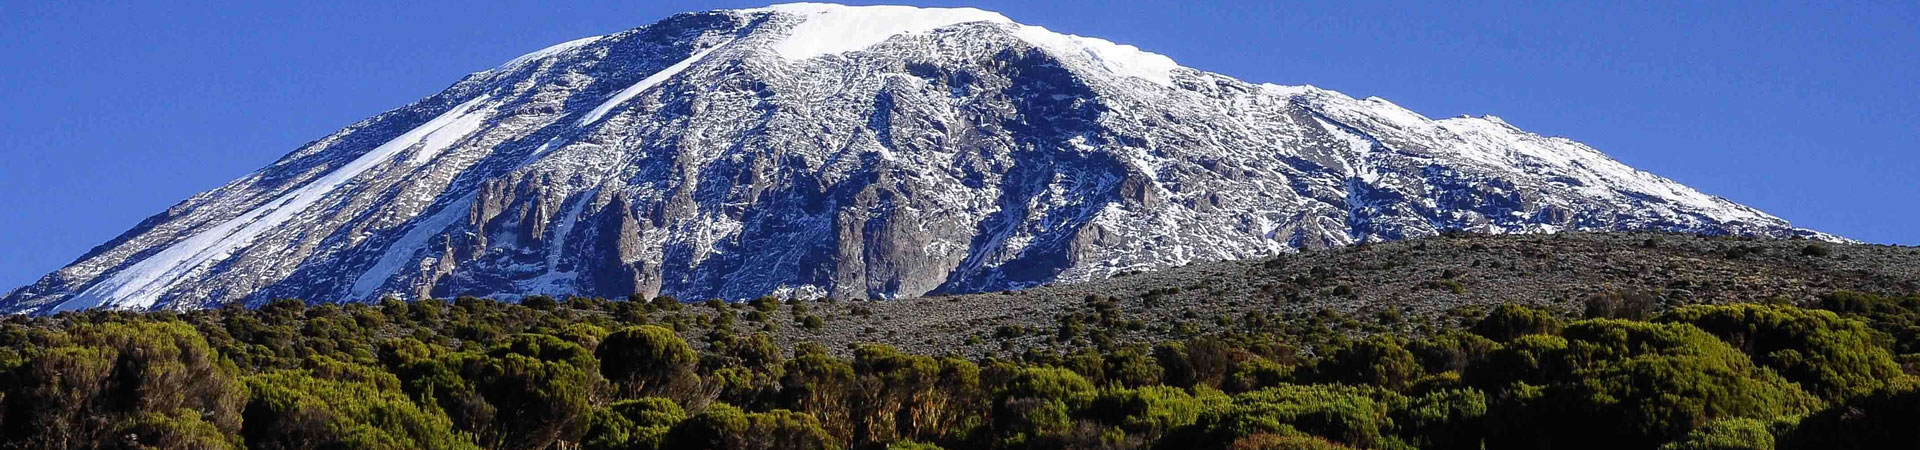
(1421, 282)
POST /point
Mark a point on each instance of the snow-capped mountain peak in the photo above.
(854, 151)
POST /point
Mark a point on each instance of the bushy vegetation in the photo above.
(598, 374)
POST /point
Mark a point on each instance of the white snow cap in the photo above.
(1119, 59)
(555, 49)
(832, 29)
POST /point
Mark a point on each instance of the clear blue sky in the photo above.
(111, 113)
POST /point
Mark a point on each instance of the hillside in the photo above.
(1393, 346)
(1421, 281)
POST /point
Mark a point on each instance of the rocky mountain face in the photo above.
(875, 152)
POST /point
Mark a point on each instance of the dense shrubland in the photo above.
(599, 374)
(1395, 287)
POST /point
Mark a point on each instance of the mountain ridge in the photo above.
(806, 149)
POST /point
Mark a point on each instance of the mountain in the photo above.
(826, 150)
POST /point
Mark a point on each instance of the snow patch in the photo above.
(1119, 59)
(1281, 90)
(445, 136)
(645, 83)
(1602, 175)
(1398, 116)
(141, 284)
(828, 29)
(554, 278)
(403, 249)
(832, 29)
(556, 49)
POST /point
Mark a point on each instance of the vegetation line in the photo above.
(598, 374)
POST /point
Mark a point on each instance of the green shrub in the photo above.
(1258, 373)
(645, 360)
(1349, 415)
(1730, 434)
(83, 385)
(633, 424)
(1149, 412)
(1831, 357)
(1445, 418)
(527, 393)
(1625, 384)
(1450, 352)
(1883, 419)
(911, 445)
(1899, 317)
(539, 302)
(1271, 441)
(182, 430)
(820, 384)
(294, 409)
(1030, 405)
(1509, 321)
(478, 373)
(724, 427)
(1376, 360)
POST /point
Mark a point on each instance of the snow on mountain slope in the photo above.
(883, 151)
(646, 83)
(827, 28)
(139, 285)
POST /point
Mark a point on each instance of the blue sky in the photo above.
(111, 113)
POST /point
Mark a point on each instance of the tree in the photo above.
(724, 427)
(819, 384)
(893, 394)
(1354, 416)
(296, 410)
(1451, 352)
(1896, 316)
(1625, 384)
(539, 302)
(645, 360)
(1882, 419)
(1443, 419)
(97, 377)
(181, 430)
(1509, 321)
(1132, 367)
(1149, 412)
(527, 393)
(1730, 434)
(1832, 357)
(1376, 360)
(633, 424)
(1030, 404)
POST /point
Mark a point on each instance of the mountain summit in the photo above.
(827, 150)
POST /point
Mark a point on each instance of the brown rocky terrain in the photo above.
(1408, 286)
